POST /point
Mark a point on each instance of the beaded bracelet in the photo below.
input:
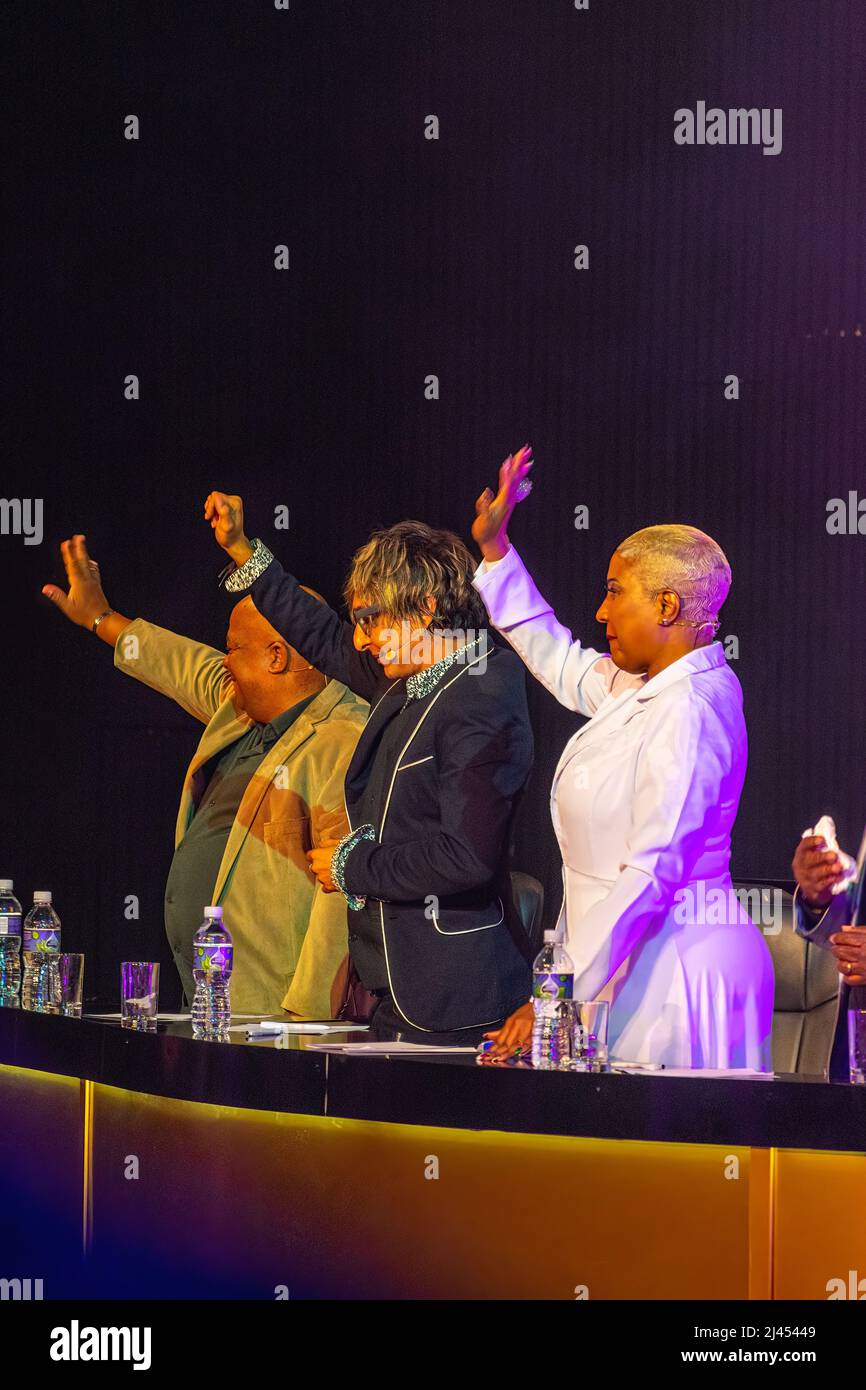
(246, 574)
(338, 861)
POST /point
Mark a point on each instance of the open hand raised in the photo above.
(85, 600)
(494, 512)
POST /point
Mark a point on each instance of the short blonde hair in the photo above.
(683, 559)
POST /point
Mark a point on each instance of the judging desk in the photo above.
(155, 1165)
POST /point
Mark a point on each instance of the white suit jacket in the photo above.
(643, 801)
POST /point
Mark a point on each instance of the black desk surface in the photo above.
(784, 1112)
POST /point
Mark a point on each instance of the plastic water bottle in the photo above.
(40, 947)
(552, 992)
(10, 946)
(212, 952)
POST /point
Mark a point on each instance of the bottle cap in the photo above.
(550, 936)
(42, 897)
(213, 912)
(6, 885)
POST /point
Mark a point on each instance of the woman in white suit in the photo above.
(644, 796)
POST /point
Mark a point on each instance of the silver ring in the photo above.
(524, 487)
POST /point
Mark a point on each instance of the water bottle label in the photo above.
(40, 939)
(215, 960)
(10, 924)
(552, 986)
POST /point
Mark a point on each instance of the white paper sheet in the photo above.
(702, 1073)
(267, 1028)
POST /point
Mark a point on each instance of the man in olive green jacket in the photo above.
(264, 786)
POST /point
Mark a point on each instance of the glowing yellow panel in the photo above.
(330, 1207)
(820, 1229)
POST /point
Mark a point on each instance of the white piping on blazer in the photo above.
(460, 673)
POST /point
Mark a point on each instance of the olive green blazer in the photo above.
(289, 936)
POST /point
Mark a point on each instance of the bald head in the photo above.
(269, 675)
(248, 618)
(247, 622)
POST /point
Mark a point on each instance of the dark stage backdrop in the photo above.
(409, 258)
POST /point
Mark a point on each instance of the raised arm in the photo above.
(578, 676)
(85, 603)
(188, 672)
(312, 628)
(185, 671)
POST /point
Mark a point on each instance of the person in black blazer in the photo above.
(822, 917)
(436, 776)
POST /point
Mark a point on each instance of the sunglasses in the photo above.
(366, 618)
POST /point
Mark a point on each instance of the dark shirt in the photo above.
(196, 863)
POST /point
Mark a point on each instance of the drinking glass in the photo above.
(139, 994)
(857, 1046)
(589, 1035)
(70, 968)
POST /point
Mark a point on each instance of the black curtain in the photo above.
(412, 258)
